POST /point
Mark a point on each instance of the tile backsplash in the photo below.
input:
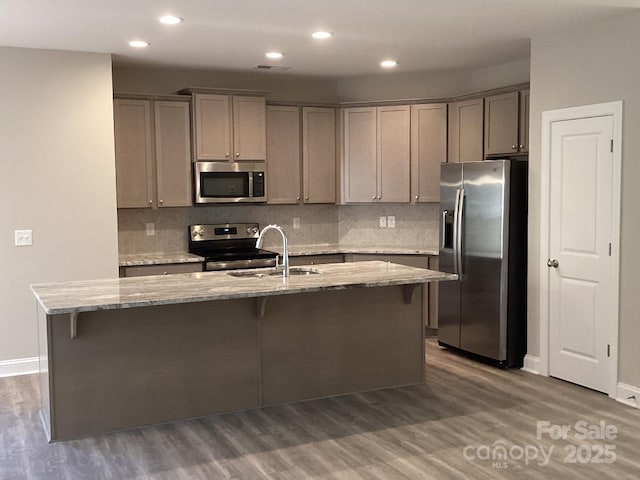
(416, 225)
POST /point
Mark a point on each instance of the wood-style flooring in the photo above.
(419, 432)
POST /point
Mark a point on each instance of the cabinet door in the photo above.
(173, 154)
(283, 154)
(428, 150)
(133, 148)
(501, 124)
(249, 128)
(524, 121)
(319, 154)
(212, 114)
(466, 131)
(360, 161)
(393, 145)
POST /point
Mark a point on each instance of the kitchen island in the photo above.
(121, 353)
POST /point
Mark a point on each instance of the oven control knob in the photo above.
(254, 230)
(249, 230)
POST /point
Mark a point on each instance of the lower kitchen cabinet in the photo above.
(164, 269)
(315, 259)
(153, 153)
(429, 295)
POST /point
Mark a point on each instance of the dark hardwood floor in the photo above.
(443, 429)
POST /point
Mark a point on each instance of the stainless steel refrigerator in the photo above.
(483, 238)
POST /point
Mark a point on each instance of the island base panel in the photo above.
(145, 365)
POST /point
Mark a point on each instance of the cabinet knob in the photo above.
(298, 199)
(514, 147)
(374, 197)
(379, 197)
(150, 202)
(237, 154)
(161, 202)
(306, 198)
(226, 154)
(521, 147)
(417, 197)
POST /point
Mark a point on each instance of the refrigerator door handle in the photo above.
(460, 215)
(455, 232)
(443, 226)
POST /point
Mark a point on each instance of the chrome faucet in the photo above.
(285, 248)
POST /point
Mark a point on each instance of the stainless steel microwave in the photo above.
(230, 182)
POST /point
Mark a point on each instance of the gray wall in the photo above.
(391, 86)
(593, 64)
(58, 178)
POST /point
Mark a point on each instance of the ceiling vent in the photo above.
(273, 68)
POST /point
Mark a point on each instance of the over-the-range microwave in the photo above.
(230, 182)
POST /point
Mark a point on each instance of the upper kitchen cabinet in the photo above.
(229, 127)
(377, 154)
(428, 150)
(466, 131)
(524, 122)
(319, 154)
(283, 155)
(153, 150)
(292, 178)
(507, 123)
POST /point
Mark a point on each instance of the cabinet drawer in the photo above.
(166, 269)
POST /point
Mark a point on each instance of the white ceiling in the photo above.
(235, 34)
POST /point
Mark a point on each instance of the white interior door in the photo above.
(582, 296)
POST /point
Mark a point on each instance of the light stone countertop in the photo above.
(111, 294)
(135, 259)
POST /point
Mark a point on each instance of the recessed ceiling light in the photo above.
(322, 35)
(274, 55)
(138, 44)
(170, 20)
(388, 63)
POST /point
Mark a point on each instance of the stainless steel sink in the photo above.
(272, 273)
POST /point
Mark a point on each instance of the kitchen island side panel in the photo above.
(147, 365)
(329, 343)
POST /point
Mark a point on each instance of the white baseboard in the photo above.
(531, 364)
(625, 394)
(18, 366)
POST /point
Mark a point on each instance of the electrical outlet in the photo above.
(296, 222)
(23, 238)
(383, 222)
(151, 229)
(391, 221)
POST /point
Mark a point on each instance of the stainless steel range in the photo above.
(229, 246)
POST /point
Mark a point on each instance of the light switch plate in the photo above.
(391, 221)
(383, 222)
(296, 222)
(23, 238)
(151, 229)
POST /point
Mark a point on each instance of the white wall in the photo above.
(593, 64)
(58, 178)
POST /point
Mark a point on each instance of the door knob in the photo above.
(552, 263)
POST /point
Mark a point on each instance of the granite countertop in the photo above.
(134, 259)
(111, 294)
(322, 249)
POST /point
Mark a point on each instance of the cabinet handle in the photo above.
(237, 154)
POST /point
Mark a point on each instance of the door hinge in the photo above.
(609, 249)
(612, 145)
(608, 350)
